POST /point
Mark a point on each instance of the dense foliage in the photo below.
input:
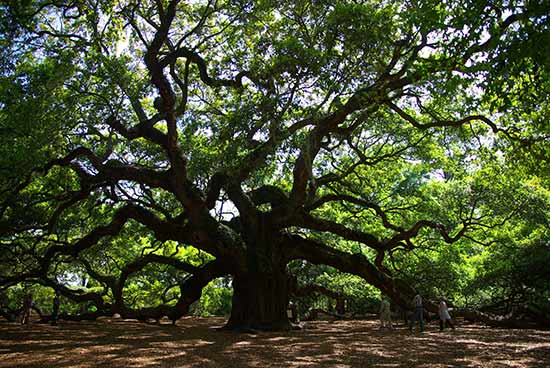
(154, 150)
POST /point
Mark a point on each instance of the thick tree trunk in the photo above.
(261, 288)
(260, 301)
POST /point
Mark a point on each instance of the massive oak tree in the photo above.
(255, 133)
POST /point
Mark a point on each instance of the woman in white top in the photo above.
(444, 316)
(385, 314)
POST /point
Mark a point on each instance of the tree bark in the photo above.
(261, 285)
(260, 301)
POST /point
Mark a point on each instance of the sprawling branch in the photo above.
(405, 235)
(77, 295)
(356, 264)
(167, 105)
(43, 170)
(215, 241)
(362, 99)
(201, 64)
(116, 224)
(358, 201)
(310, 222)
(442, 123)
(402, 237)
(191, 290)
(144, 129)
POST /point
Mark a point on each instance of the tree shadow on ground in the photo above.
(196, 342)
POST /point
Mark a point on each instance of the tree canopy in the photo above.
(150, 147)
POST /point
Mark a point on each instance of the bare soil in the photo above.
(197, 342)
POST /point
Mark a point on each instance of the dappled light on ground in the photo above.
(196, 342)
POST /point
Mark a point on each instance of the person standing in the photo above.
(27, 309)
(418, 313)
(55, 310)
(444, 316)
(385, 314)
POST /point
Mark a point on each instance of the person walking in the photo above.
(418, 313)
(55, 310)
(444, 316)
(385, 314)
(27, 309)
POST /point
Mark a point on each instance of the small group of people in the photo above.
(418, 314)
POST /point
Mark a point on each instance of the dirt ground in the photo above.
(196, 342)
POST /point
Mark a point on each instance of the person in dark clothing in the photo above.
(418, 313)
(27, 309)
(55, 310)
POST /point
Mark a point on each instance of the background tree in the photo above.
(152, 147)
